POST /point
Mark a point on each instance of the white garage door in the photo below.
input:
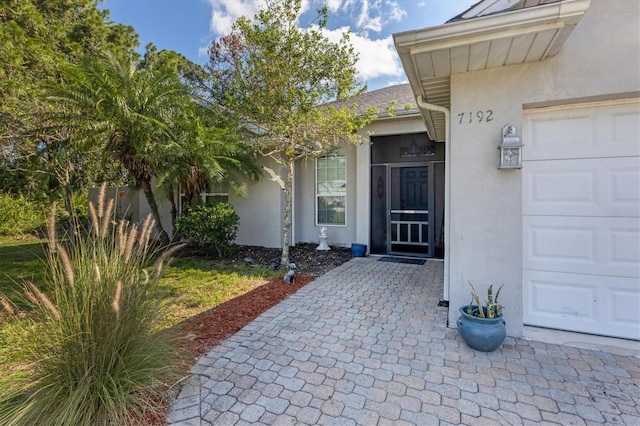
(581, 218)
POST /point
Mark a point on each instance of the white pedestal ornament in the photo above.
(323, 240)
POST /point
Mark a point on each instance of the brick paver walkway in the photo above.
(365, 344)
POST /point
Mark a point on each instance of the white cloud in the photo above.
(371, 15)
(396, 13)
(375, 14)
(225, 12)
(334, 5)
(203, 51)
(366, 21)
(377, 58)
(396, 82)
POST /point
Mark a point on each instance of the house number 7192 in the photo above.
(476, 117)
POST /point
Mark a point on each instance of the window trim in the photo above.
(203, 196)
(317, 196)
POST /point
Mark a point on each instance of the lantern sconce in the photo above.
(510, 148)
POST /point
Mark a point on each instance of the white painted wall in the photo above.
(261, 211)
(601, 58)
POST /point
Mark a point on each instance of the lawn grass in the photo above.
(195, 284)
(20, 260)
(192, 285)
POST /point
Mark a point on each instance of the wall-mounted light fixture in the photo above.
(510, 148)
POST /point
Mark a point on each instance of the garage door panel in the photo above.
(554, 240)
(588, 187)
(586, 245)
(588, 132)
(624, 305)
(625, 128)
(549, 138)
(577, 301)
(583, 303)
(625, 247)
(624, 187)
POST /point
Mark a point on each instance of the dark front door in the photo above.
(402, 199)
(409, 210)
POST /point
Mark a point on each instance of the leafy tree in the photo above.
(211, 150)
(37, 38)
(275, 75)
(131, 113)
(215, 155)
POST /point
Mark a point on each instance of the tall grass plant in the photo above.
(97, 357)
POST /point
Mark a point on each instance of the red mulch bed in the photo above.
(209, 328)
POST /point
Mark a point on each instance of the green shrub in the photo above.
(19, 216)
(98, 357)
(214, 224)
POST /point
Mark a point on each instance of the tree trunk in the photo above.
(74, 225)
(288, 201)
(146, 188)
(174, 216)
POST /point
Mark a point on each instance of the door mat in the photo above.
(402, 260)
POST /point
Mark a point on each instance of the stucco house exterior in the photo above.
(335, 192)
(562, 233)
(560, 230)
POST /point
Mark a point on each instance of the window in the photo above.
(216, 192)
(331, 190)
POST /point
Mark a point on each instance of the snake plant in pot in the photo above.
(482, 327)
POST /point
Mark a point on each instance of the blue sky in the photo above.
(188, 26)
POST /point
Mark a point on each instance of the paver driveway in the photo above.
(366, 344)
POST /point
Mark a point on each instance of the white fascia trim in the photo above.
(398, 115)
(506, 24)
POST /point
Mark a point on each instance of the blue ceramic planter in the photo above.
(482, 334)
(358, 250)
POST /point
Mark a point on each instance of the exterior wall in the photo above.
(600, 59)
(358, 158)
(122, 197)
(261, 211)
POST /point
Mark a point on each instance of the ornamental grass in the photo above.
(97, 356)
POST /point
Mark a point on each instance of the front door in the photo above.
(401, 209)
(409, 211)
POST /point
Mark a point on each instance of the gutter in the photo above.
(422, 104)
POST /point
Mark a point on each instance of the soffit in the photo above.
(431, 55)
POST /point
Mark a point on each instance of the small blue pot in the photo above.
(482, 334)
(358, 250)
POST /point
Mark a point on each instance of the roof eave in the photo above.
(555, 19)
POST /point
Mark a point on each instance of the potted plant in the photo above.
(482, 327)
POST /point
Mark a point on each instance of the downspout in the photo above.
(447, 184)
